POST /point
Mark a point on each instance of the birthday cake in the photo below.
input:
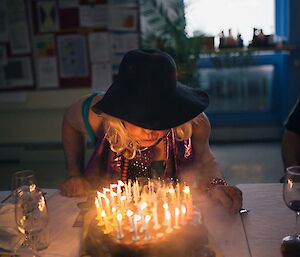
(159, 221)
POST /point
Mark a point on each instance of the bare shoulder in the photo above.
(95, 119)
(74, 114)
(201, 126)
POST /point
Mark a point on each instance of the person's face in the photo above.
(144, 137)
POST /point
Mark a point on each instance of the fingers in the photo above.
(230, 197)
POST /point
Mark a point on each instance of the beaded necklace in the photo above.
(140, 165)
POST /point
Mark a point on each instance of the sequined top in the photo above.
(107, 164)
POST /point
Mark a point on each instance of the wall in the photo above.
(31, 123)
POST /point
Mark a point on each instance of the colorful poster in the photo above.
(103, 53)
(46, 62)
(123, 42)
(123, 19)
(47, 16)
(72, 53)
(95, 16)
(101, 76)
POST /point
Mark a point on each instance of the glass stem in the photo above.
(298, 224)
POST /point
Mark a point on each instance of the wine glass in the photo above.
(31, 215)
(291, 194)
(22, 179)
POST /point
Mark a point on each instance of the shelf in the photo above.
(246, 50)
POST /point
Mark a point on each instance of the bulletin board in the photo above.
(52, 44)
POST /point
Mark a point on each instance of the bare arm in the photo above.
(74, 143)
(290, 149)
(74, 149)
(228, 196)
(206, 163)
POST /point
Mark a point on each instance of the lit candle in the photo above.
(105, 190)
(129, 191)
(112, 198)
(155, 218)
(113, 209)
(168, 221)
(178, 192)
(186, 195)
(136, 219)
(137, 189)
(166, 208)
(172, 193)
(100, 196)
(107, 206)
(107, 228)
(147, 233)
(119, 190)
(123, 204)
(99, 210)
(183, 212)
(120, 231)
(177, 212)
(143, 206)
(129, 215)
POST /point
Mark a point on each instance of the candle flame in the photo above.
(166, 206)
(183, 209)
(113, 194)
(186, 189)
(137, 217)
(147, 218)
(113, 209)
(290, 183)
(168, 215)
(119, 216)
(103, 214)
(121, 183)
(32, 187)
(123, 198)
(171, 191)
(129, 213)
(143, 206)
(105, 190)
(177, 211)
(99, 194)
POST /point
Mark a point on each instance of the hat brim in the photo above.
(178, 107)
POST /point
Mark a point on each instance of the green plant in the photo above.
(166, 31)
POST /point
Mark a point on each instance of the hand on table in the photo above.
(229, 196)
(75, 187)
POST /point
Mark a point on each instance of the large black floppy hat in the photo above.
(147, 94)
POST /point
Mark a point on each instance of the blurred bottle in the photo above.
(222, 42)
(231, 42)
(240, 41)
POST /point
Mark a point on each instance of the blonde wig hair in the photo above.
(122, 143)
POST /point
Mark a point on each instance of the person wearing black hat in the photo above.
(147, 124)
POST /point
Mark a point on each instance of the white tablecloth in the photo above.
(268, 221)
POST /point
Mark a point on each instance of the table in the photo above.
(269, 219)
(255, 234)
